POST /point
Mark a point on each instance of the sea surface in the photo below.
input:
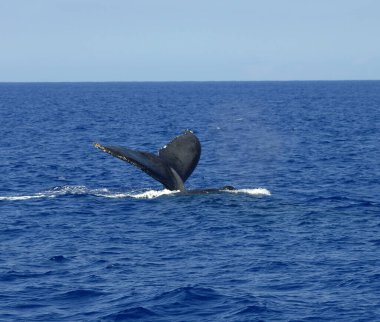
(87, 237)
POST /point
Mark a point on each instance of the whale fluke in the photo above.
(172, 166)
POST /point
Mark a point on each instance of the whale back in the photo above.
(182, 154)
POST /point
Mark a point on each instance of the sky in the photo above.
(197, 40)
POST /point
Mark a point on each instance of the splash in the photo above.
(106, 193)
(150, 194)
(253, 192)
(154, 194)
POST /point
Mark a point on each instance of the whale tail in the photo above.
(172, 166)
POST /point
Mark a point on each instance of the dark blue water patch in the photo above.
(191, 303)
(17, 276)
(59, 258)
(132, 314)
(78, 295)
(80, 240)
(376, 242)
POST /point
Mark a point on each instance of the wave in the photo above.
(192, 303)
(106, 193)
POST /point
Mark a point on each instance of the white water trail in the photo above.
(252, 191)
(13, 198)
(150, 194)
(105, 193)
(56, 192)
(83, 190)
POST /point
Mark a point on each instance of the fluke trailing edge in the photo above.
(172, 166)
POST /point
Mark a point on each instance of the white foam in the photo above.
(253, 192)
(82, 190)
(57, 191)
(12, 198)
(153, 194)
(150, 194)
(105, 193)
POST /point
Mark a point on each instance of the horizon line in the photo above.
(188, 81)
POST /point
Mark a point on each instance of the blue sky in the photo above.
(175, 40)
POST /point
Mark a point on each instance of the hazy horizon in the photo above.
(190, 81)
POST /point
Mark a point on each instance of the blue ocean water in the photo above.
(87, 237)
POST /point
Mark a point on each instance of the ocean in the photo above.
(87, 237)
